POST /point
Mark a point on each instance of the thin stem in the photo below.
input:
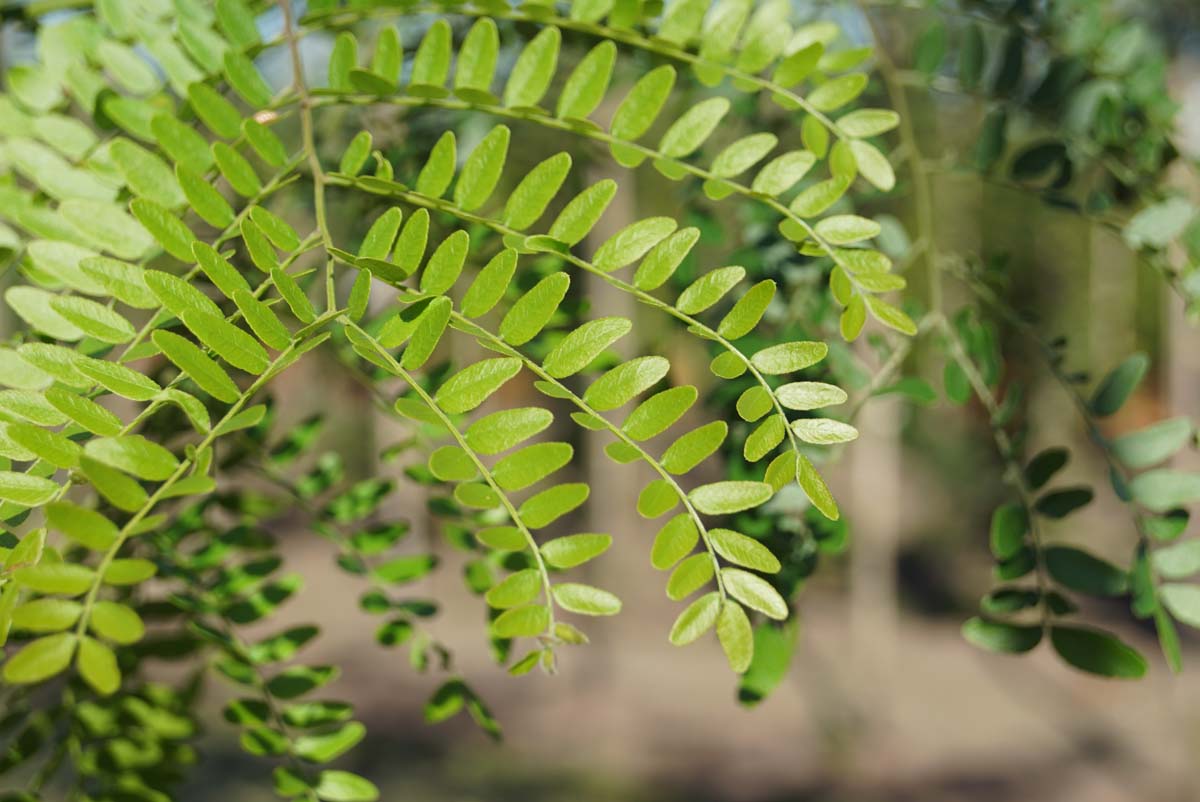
(310, 146)
(465, 324)
(184, 465)
(483, 469)
(1014, 472)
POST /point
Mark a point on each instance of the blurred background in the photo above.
(883, 699)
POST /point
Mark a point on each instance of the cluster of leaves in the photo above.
(1059, 86)
(162, 290)
(161, 294)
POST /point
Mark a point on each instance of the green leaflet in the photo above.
(1000, 637)
(84, 412)
(246, 80)
(236, 21)
(410, 245)
(823, 431)
(549, 505)
(582, 213)
(789, 357)
(689, 576)
(783, 172)
(1097, 652)
(588, 82)
(190, 359)
(1164, 489)
(1153, 444)
(515, 590)
(659, 412)
(178, 295)
(621, 384)
(533, 310)
(262, 321)
(748, 311)
(674, 541)
(97, 666)
(531, 465)
(127, 67)
(431, 65)
(356, 153)
(723, 498)
(452, 464)
(664, 259)
(277, 230)
(632, 242)
(219, 271)
(236, 170)
(40, 659)
(657, 498)
(471, 386)
(60, 579)
(531, 75)
(476, 63)
(873, 165)
(86, 527)
(426, 335)
(585, 599)
(134, 455)
(521, 622)
(342, 60)
(34, 306)
(507, 428)
(581, 347)
(170, 232)
(293, 296)
(709, 289)
(481, 171)
(206, 201)
(574, 550)
(698, 618)
(754, 592)
(51, 447)
(93, 319)
(435, 177)
(736, 636)
(692, 448)
(25, 490)
(810, 395)
(837, 92)
(146, 175)
(489, 286)
(107, 227)
(214, 111)
(743, 154)
(265, 143)
(1118, 385)
(641, 106)
(445, 264)
(228, 341)
(844, 229)
(46, 615)
(529, 200)
(744, 551)
(117, 623)
(689, 132)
